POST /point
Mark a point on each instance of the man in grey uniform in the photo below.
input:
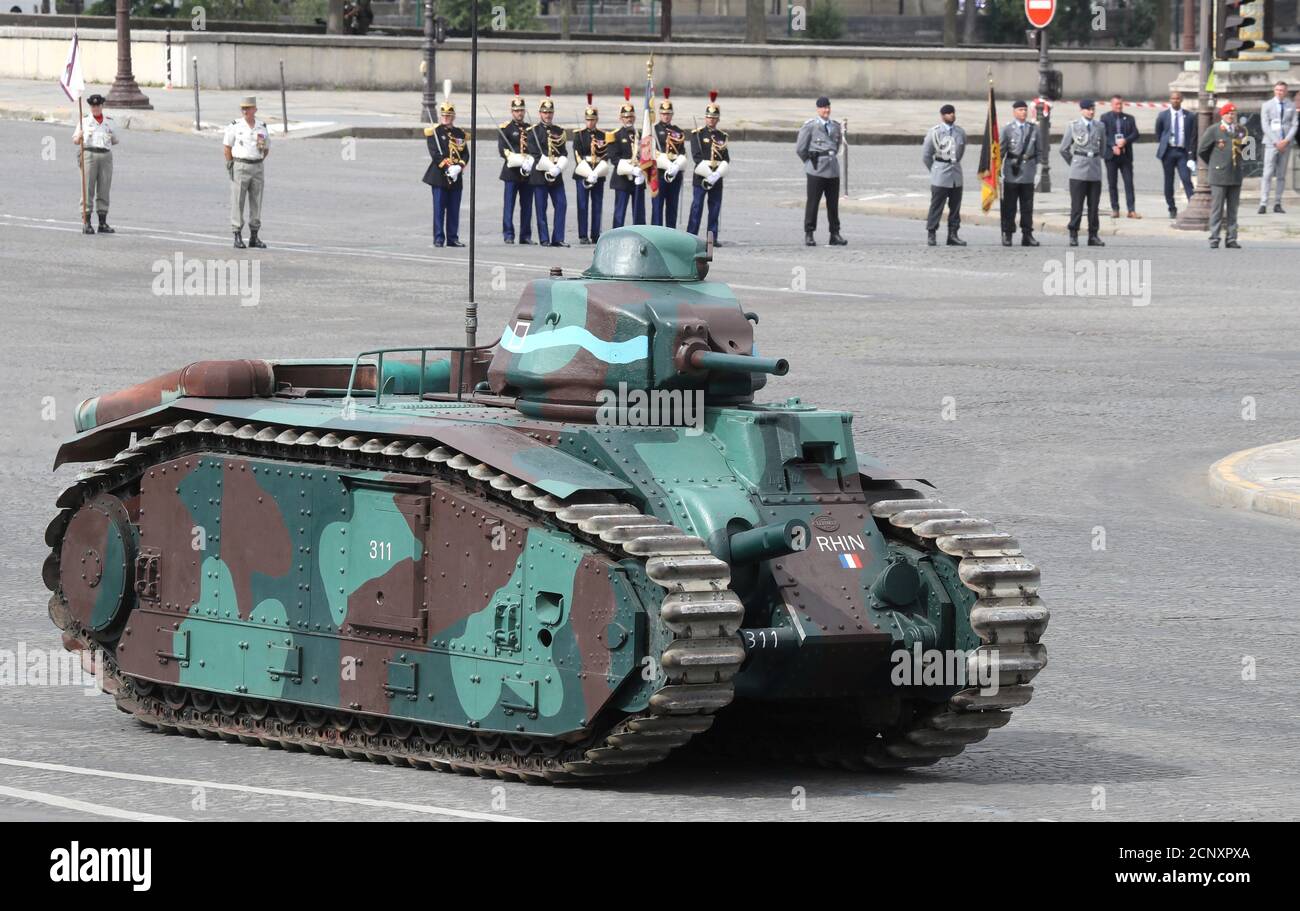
(818, 147)
(1278, 116)
(1019, 142)
(1221, 149)
(941, 153)
(96, 137)
(247, 143)
(1082, 148)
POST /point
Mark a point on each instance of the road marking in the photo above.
(82, 806)
(425, 809)
(805, 291)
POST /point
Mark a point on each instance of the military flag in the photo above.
(71, 80)
(646, 147)
(990, 156)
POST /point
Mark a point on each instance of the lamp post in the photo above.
(1196, 216)
(125, 93)
(429, 98)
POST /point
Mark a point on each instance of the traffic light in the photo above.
(440, 29)
(1235, 20)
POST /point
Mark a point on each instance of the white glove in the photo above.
(626, 168)
(514, 160)
(453, 172)
(639, 178)
(562, 162)
(713, 178)
(676, 165)
(553, 172)
(527, 166)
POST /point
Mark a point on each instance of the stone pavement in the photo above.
(1265, 479)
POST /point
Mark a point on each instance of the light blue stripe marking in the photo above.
(634, 349)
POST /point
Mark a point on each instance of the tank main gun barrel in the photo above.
(768, 541)
(738, 363)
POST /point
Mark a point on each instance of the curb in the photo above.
(1230, 481)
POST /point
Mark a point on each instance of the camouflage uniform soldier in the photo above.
(1082, 148)
(712, 160)
(546, 143)
(589, 150)
(247, 143)
(96, 137)
(628, 180)
(941, 152)
(512, 146)
(1220, 148)
(670, 158)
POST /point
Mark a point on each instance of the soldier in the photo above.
(247, 143)
(546, 143)
(818, 147)
(589, 149)
(628, 180)
(1019, 142)
(1081, 147)
(1220, 148)
(712, 160)
(512, 146)
(449, 157)
(96, 136)
(1278, 116)
(670, 158)
(941, 152)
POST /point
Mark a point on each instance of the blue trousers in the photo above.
(555, 193)
(525, 194)
(589, 200)
(621, 197)
(663, 208)
(446, 215)
(714, 195)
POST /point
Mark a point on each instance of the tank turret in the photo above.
(641, 318)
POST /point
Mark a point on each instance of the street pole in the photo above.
(1196, 217)
(1189, 25)
(429, 98)
(1044, 116)
(125, 93)
(471, 309)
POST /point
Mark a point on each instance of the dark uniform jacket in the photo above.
(589, 146)
(622, 145)
(545, 140)
(447, 147)
(1221, 149)
(512, 137)
(670, 140)
(1120, 124)
(708, 144)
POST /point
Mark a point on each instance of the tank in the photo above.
(558, 557)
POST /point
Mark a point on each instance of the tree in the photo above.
(968, 23)
(755, 22)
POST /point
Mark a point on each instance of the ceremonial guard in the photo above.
(1279, 120)
(517, 164)
(448, 151)
(247, 143)
(96, 137)
(709, 151)
(589, 148)
(547, 143)
(941, 153)
(670, 158)
(1221, 148)
(1082, 148)
(624, 151)
(1019, 143)
(818, 147)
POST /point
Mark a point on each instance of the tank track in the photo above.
(699, 611)
(1008, 616)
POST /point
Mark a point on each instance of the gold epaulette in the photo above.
(506, 124)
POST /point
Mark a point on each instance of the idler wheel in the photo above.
(97, 563)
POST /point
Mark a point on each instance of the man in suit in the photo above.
(1019, 143)
(1175, 140)
(1081, 147)
(1221, 149)
(941, 153)
(1278, 116)
(1121, 133)
(818, 147)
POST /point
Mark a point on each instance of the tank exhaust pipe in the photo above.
(769, 541)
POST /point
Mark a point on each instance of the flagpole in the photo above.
(81, 156)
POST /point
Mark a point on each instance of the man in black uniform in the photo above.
(512, 146)
(589, 174)
(547, 143)
(624, 154)
(709, 151)
(448, 151)
(670, 158)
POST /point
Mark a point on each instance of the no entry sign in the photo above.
(1040, 12)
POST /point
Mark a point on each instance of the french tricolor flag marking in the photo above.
(850, 561)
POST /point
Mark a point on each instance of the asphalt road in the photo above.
(1074, 416)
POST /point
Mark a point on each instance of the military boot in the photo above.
(930, 239)
(239, 240)
(103, 225)
(1095, 241)
(86, 228)
(253, 241)
(1027, 239)
(954, 240)
(837, 241)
